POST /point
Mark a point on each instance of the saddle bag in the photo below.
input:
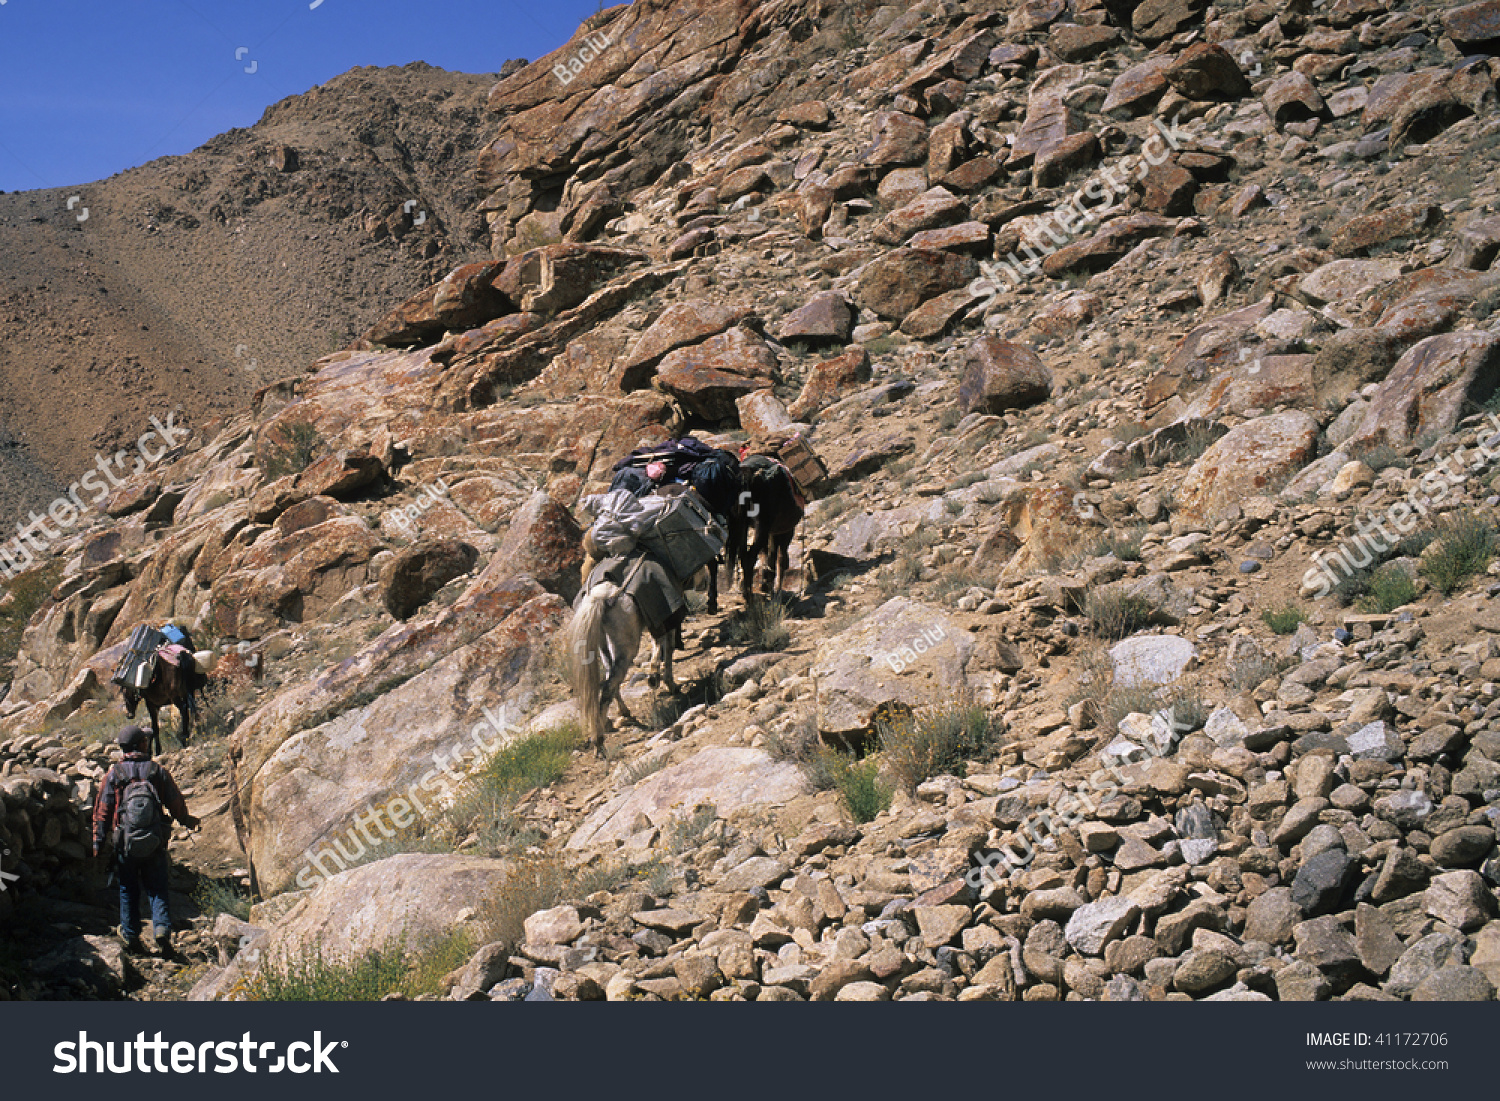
(686, 537)
(138, 665)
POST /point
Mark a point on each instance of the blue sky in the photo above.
(89, 88)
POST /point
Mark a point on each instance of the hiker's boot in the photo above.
(134, 946)
(166, 949)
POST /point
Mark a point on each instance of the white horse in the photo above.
(602, 639)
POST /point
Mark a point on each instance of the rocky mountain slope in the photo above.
(192, 281)
(1135, 336)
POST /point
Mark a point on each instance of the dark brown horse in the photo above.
(773, 515)
(170, 684)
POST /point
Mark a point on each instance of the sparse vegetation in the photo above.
(1115, 614)
(1388, 588)
(1465, 547)
(759, 626)
(935, 742)
(863, 793)
(368, 977)
(291, 449)
(1284, 620)
(222, 896)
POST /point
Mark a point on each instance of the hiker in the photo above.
(132, 810)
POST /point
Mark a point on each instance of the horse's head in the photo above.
(132, 701)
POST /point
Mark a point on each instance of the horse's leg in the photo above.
(154, 711)
(663, 654)
(713, 587)
(783, 560)
(185, 709)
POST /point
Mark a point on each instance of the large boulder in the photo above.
(351, 914)
(728, 778)
(900, 281)
(1431, 385)
(709, 378)
(679, 325)
(999, 375)
(545, 542)
(420, 570)
(1206, 71)
(309, 809)
(465, 298)
(903, 652)
(1248, 459)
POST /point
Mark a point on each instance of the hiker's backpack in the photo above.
(141, 823)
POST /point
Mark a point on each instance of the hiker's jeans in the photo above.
(152, 874)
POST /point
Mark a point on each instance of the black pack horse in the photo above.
(773, 513)
(170, 684)
(719, 482)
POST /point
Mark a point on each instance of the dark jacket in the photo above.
(137, 765)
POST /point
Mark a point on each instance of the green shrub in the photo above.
(761, 625)
(368, 977)
(1465, 546)
(935, 742)
(535, 761)
(1124, 545)
(1283, 621)
(222, 896)
(1388, 588)
(860, 787)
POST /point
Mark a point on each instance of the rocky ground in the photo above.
(1076, 527)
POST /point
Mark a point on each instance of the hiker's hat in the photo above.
(132, 737)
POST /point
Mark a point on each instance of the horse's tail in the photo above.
(585, 662)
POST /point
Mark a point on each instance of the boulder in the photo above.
(903, 653)
(1154, 20)
(465, 298)
(828, 381)
(1246, 460)
(1474, 28)
(898, 282)
(1430, 388)
(729, 778)
(420, 570)
(708, 378)
(898, 139)
(1206, 71)
(825, 317)
(351, 914)
(545, 542)
(1151, 659)
(308, 808)
(999, 375)
(680, 324)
